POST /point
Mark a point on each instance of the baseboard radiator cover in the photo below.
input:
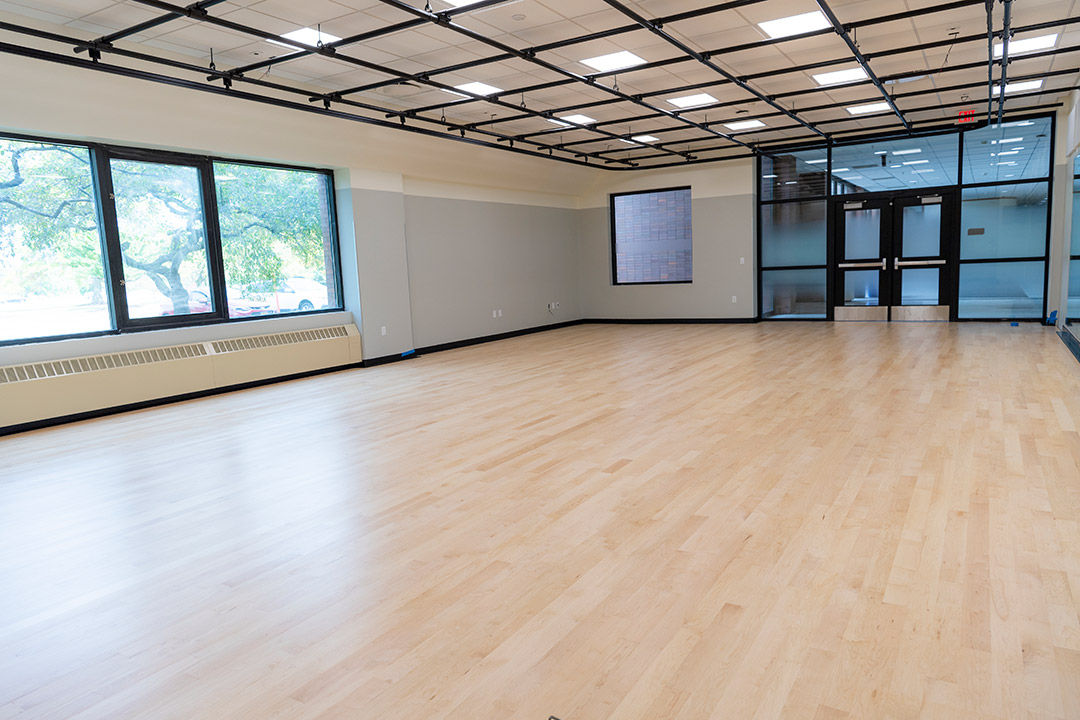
(32, 392)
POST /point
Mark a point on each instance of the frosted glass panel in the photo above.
(793, 234)
(919, 286)
(862, 234)
(861, 287)
(793, 293)
(1004, 221)
(922, 231)
(794, 175)
(1001, 290)
(1076, 213)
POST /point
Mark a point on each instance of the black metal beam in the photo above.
(757, 44)
(658, 30)
(1005, 35)
(902, 96)
(361, 37)
(128, 72)
(327, 51)
(779, 71)
(989, 60)
(843, 33)
(145, 25)
(445, 22)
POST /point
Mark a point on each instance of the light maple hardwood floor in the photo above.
(815, 521)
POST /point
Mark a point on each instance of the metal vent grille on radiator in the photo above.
(287, 338)
(75, 366)
(93, 363)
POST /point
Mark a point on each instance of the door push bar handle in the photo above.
(882, 264)
(897, 262)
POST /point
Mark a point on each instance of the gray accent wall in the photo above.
(467, 258)
(723, 234)
(378, 222)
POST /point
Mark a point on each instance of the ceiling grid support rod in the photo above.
(657, 29)
(361, 37)
(330, 52)
(591, 37)
(990, 60)
(123, 71)
(843, 33)
(1005, 35)
(199, 70)
(445, 22)
(109, 39)
(779, 71)
(831, 106)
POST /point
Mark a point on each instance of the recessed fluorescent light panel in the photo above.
(1027, 45)
(907, 152)
(795, 24)
(870, 108)
(476, 88)
(744, 125)
(644, 138)
(840, 76)
(307, 36)
(915, 162)
(569, 120)
(690, 101)
(1018, 87)
(614, 61)
(817, 162)
(461, 3)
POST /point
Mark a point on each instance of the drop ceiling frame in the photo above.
(589, 143)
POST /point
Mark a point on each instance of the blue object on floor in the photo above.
(407, 353)
(1015, 324)
(1052, 320)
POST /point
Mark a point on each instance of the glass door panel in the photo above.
(862, 234)
(921, 231)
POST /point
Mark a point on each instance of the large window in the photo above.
(52, 276)
(97, 239)
(652, 237)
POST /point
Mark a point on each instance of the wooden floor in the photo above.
(815, 521)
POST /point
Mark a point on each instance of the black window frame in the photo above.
(101, 155)
(613, 243)
(958, 187)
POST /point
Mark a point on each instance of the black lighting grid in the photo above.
(683, 136)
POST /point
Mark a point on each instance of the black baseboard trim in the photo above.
(386, 359)
(156, 402)
(672, 321)
(1070, 342)
(499, 336)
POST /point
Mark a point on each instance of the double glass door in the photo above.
(892, 258)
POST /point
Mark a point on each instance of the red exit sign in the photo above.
(967, 116)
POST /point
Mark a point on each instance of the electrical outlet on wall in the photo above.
(500, 313)
(383, 329)
(734, 299)
(494, 313)
(556, 303)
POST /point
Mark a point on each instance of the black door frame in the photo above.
(890, 287)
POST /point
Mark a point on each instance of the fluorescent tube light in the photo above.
(869, 108)
(744, 125)
(476, 88)
(907, 152)
(1018, 87)
(840, 76)
(568, 120)
(645, 138)
(915, 162)
(1027, 45)
(795, 24)
(307, 36)
(614, 61)
(689, 101)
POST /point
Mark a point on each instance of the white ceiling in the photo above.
(525, 24)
